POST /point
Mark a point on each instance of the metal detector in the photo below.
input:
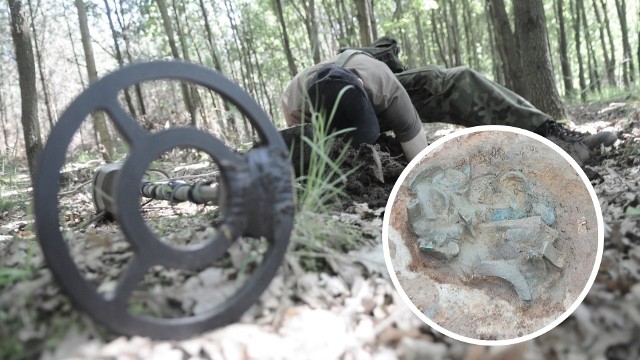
(255, 197)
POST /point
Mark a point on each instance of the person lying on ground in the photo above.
(363, 93)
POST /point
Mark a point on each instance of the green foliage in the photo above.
(608, 94)
(325, 180)
(8, 276)
(319, 235)
(11, 187)
(10, 346)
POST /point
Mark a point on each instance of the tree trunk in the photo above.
(245, 70)
(612, 48)
(532, 30)
(498, 74)
(100, 122)
(166, 23)
(21, 34)
(627, 65)
(194, 97)
(576, 29)
(349, 28)
(565, 65)
(251, 50)
(455, 35)
(127, 49)
(594, 76)
(217, 64)
(472, 55)
(293, 70)
(364, 22)
(608, 66)
(3, 116)
(312, 28)
(506, 46)
(43, 81)
(406, 43)
(116, 45)
(436, 37)
(422, 47)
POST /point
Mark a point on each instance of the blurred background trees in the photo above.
(550, 51)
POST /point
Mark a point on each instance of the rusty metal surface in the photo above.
(257, 201)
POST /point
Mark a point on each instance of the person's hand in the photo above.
(413, 147)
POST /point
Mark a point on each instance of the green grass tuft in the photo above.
(325, 180)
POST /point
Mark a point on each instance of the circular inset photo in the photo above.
(493, 235)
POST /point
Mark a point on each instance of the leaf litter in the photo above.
(331, 298)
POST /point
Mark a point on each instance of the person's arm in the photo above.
(391, 103)
(413, 147)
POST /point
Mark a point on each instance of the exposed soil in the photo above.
(378, 166)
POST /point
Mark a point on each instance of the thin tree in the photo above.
(127, 49)
(3, 115)
(364, 21)
(608, 66)
(422, 46)
(168, 28)
(116, 45)
(455, 35)
(43, 80)
(565, 65)
(293, 70)
(217, 64)
(99, 121)
(594, 76)
(472, 55)
(505, 41)
(21, 34)
(498, 75)
(311, 25)
(437, 38)
(578, 42)
(78, 69)
(398, 15)
(346, 19)
(531, 29)
(607, 26)
(627, 64)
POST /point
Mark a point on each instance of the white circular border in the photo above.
(434, 146)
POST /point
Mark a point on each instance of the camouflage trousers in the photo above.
(463, 96)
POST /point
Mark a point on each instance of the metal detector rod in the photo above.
(179, 191)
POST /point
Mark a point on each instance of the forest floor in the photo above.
(332, 297)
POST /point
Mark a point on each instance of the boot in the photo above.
(552, 128)
(606, 138)
(570, 141)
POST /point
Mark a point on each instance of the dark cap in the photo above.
(384, 41)
(335, 88)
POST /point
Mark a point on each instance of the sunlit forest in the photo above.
(83, 276)
(260, 45)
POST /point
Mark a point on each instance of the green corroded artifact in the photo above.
(494, 237)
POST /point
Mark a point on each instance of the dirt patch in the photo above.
(377, 166)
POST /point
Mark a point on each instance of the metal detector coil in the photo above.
(257, 201)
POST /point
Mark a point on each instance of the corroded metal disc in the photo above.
(493, 234)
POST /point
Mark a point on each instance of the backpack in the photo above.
(384, 49)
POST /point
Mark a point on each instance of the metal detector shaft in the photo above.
(178, 191)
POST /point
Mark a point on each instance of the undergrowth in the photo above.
(316, 234)
(324, 181)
